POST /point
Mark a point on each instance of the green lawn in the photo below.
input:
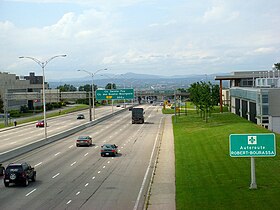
(208, 178)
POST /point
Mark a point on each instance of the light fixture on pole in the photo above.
(92, 88)
(43, 65)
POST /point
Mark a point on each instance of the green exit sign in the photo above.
(252, 145)
(114, 94)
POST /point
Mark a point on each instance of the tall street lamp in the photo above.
(92, 88)
(43, 65)
(112, 84)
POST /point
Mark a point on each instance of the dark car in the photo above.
(80, 116)
(40, 123)
(19, 173)
(109, 150)
(2, 170)
(84, 141)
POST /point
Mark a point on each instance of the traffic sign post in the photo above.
(252, 145)
(114, 94)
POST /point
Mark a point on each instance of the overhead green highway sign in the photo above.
(252, 145)
(115, 94)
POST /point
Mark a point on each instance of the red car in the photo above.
(40, 123)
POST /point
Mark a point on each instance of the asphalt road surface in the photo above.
(21, 135)
(70, 177)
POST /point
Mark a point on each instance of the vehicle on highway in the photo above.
(138, 115)
(118, 105)
(109, 150)
(80, 116)
(84, 141)
(19, 173)
(40, 123)
(2, 170)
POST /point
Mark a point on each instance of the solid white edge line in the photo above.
(147, 171)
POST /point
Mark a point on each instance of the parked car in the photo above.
(84, 141)
(2, 170)
(109, 150)
(19, 173)
(80, 116)
(40, 123)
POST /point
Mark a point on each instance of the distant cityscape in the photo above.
(142, 81)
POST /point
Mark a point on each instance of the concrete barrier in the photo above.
(41, 142)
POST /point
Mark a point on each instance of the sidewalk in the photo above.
(163, 187)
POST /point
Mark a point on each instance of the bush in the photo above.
(24, 109)
(15, 113)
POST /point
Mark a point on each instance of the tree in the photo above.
(67, 88)
(204, 96)
(111, 86)
(182, 90)
(277, 66)
(87, 88)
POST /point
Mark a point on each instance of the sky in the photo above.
(158, 37)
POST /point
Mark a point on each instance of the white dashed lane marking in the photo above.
(73, 163)
(69, 201)
(56, 175)
(38, 164)
(30, 192)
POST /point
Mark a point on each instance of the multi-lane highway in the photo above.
(70, 177)
(18, 136)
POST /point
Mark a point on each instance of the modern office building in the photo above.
(255, 96)
(10, 83)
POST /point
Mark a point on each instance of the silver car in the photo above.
(84, 141)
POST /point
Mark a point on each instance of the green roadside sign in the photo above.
(252, 145)
(115, 94)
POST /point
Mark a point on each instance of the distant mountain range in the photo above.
(140, 80)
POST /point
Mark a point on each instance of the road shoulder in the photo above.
(162, 194)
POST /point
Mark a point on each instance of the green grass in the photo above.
(208, 178)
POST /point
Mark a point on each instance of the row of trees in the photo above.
(204, 96)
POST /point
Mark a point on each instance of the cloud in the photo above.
(219, 13)
(132, 35)
(263, 51)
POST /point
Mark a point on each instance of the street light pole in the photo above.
(92, 88)
(112, 86)
(43, 65)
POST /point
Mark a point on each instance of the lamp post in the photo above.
(112, 84)
(43, 65)
(92, 88)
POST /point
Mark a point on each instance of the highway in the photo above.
(70, 177)
(22, 135)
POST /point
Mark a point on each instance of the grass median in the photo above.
(208, 178)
